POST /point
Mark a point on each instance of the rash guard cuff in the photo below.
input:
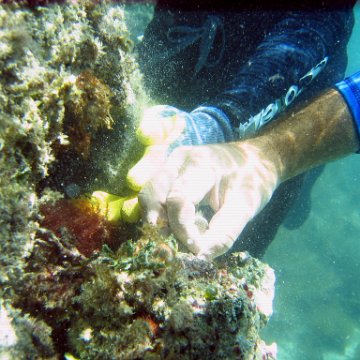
(350, 90)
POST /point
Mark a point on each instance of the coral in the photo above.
(161, 310)
(49, 60)
(136, 303)
(33, 337)
(47, 288)
(48, 57)
(74, 86)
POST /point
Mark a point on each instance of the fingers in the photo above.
(235, 182)
(130, 211)
(191, 186)
(241, 203)
(152, 198)
(116, 208)
(160, 126)
(147, 167)
(187, 178)
(237, 205)
(224, 228)
(153, 194)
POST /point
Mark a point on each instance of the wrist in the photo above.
(261, 160)
(263, 150)
(216, 119)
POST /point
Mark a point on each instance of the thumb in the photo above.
(152, 160)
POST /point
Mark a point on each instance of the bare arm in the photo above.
(322, 131)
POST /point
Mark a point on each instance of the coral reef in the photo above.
(74, 284)
(68, 82)
(59, 63)
(146, 300)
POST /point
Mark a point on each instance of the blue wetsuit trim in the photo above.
(350, 90)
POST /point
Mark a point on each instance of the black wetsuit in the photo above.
(250, 59)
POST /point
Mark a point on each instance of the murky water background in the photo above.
(317, 306)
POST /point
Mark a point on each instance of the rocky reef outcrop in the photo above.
(74, 285)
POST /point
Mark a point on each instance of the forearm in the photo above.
(320, 132)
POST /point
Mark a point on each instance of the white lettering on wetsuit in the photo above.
(267, 114)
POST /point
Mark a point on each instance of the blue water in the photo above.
(317, 305)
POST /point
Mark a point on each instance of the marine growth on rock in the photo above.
(74, 284)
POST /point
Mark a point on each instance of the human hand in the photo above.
(163, 128)
(235, 179)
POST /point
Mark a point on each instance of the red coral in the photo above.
(82, 221)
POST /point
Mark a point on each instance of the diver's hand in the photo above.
(235, 179)
(163, 128)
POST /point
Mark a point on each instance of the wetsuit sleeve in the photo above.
(350, 90)
(283, 66)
